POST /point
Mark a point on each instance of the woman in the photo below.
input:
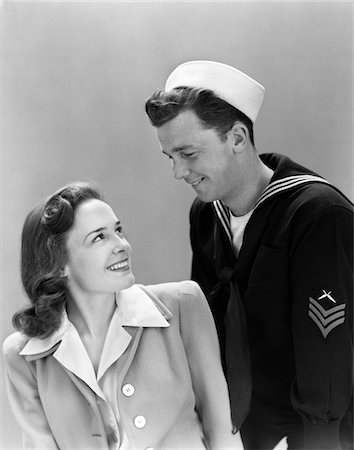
(100, 362)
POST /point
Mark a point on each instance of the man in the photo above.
(273, 251)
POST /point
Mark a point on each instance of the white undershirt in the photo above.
(238, 225)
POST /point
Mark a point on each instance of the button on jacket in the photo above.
(164, 373)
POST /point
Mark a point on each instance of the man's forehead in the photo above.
(173, 144)
(180, 133)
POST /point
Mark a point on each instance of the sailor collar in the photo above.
(279, 183)
(136, 307)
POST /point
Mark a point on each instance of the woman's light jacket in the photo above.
(171, 390)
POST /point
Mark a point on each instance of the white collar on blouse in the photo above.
(136, 307)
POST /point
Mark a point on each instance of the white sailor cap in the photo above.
(227, 83)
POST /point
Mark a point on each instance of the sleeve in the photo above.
(24, 398)
(322, 287)
(202, 349)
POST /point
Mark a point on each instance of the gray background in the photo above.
(74, 80)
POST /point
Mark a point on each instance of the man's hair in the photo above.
(211, 110)
(44, 256)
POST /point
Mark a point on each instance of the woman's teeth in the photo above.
(117, 266)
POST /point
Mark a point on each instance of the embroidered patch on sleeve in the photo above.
(326, 319)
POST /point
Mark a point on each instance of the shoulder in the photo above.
(13, 345)
(316, 201)
(316, 210)
(322, 196)
(175, 289)
(177, 294)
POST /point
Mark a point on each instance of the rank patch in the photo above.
(326, 319)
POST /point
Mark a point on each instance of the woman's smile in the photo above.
(97, 249)
(121, 265)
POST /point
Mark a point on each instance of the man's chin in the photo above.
(204, 197)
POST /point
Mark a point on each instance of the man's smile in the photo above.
(195, 183)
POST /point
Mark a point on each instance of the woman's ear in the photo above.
(64, 272)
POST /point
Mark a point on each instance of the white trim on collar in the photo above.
(274, 188)
(135, 308)
(284, 184)
(223, 212)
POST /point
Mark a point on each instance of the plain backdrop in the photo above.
(74, 80)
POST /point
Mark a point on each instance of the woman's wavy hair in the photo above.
(213, 112)
(43, 258)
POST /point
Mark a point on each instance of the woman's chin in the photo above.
(128, 282)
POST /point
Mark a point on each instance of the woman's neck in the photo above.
(91, 314)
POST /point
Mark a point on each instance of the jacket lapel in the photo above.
(72, 355)
(125, 361)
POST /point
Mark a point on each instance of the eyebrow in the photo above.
(178, 149)
(95, 231)
(98, 230)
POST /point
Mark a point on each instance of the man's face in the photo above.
(200, 157)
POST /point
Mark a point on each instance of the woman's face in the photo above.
(99, 256)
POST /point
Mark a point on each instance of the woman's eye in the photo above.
(119, 230)
(99, 237)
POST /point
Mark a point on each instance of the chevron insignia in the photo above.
(326, 319)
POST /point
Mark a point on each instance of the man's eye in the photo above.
(188, 155)
(99, 237)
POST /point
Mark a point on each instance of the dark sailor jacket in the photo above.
(295, 276)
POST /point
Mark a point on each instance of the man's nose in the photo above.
(180, 169)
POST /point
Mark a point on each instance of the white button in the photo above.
(128, 390)
(140, 421)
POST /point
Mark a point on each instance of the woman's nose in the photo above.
(120, 245)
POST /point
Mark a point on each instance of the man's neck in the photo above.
(244, 203)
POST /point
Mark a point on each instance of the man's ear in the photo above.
(239, 136)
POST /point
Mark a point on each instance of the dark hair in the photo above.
(211, 110)
(43, 257)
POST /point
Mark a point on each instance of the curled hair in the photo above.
(57, 214)
(43, 257)
(213, 112)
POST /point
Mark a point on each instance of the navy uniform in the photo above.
(280, 285)
(294, 275)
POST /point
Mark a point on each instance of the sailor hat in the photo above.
(227, 83)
